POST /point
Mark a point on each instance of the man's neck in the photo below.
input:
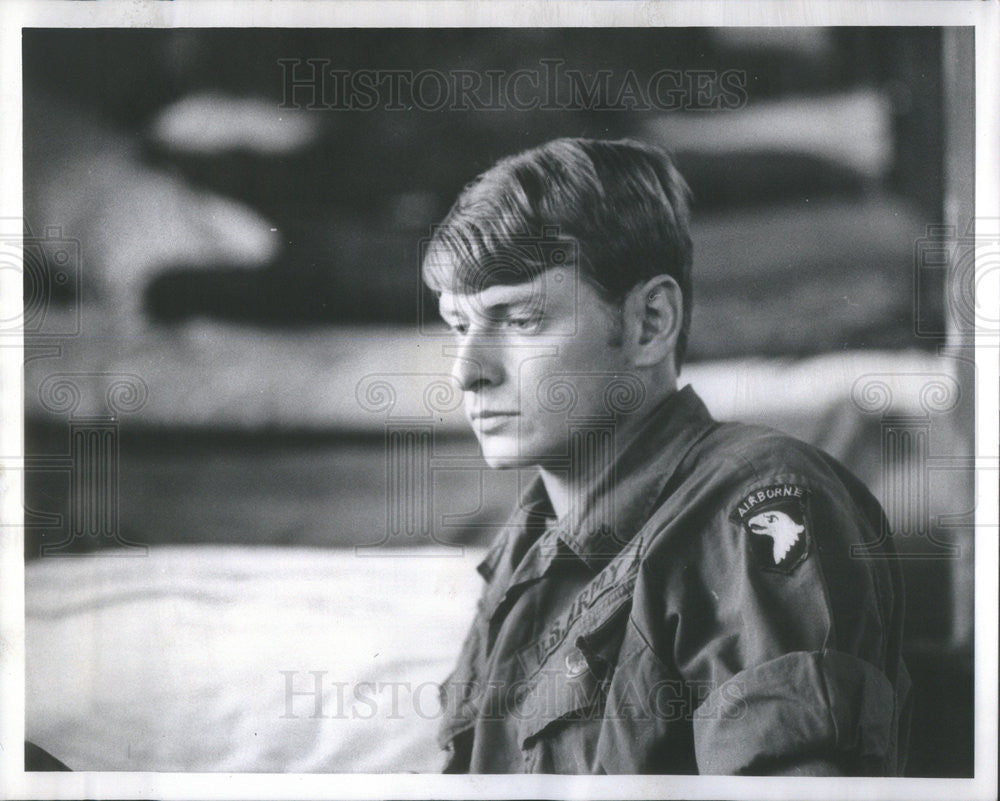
(562, 485)
(557, 487)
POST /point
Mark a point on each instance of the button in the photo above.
(576, 663)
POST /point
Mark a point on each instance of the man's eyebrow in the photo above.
(506, 301)
(502, 309)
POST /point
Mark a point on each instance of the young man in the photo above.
(672, 594)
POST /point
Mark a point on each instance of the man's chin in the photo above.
(501, 455)
(501, 460)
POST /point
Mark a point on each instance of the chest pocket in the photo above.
(562, 708)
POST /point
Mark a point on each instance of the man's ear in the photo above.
(653, 314)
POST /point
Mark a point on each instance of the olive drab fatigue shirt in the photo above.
(724, 601)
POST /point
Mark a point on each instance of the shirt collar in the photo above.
(533, 514)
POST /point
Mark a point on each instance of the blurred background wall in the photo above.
(212, 216)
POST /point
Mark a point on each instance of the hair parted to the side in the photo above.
(621, 205)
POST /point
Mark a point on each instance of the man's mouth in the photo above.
(484, 421)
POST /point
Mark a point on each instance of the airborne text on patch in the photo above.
(775, 493)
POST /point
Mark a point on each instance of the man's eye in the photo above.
(520, 323)
(458, 328)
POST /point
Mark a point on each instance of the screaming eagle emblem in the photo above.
(775, 519)
(780, 528)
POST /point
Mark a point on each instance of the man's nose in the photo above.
(476, 366)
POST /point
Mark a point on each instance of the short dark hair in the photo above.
(623, 205)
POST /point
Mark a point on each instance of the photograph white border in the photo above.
(15, 783)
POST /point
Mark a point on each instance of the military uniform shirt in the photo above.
(722, 600)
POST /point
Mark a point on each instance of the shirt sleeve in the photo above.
(776, 613)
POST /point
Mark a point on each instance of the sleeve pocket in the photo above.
(802, 704)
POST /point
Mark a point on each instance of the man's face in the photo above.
(533, 359)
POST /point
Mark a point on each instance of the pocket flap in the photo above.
(569, 668)
(567, 687)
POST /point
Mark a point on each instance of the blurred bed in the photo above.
(190, 659)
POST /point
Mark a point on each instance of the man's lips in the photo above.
(491, 415)
(490, 421)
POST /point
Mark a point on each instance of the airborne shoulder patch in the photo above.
(775, 520)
